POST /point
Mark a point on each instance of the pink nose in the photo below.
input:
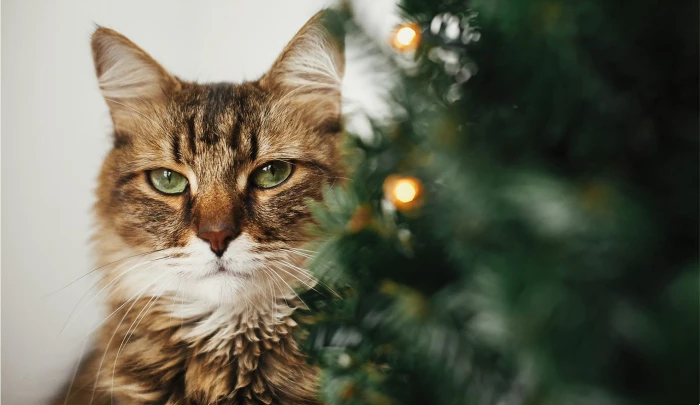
(218, 239)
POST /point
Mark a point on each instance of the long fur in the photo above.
(185, 326)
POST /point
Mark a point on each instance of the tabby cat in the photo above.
(201, 215)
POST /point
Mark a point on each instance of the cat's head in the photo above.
(206, 184)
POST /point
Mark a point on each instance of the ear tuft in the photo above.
(125, 72)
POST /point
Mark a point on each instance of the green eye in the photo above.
(271, 174)
(167, 181)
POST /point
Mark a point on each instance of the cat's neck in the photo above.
(192, 322)
(158, 351)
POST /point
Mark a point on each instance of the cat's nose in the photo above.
(218, 238)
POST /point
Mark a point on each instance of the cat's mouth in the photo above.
(223, 271)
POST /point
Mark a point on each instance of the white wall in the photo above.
(55, 132)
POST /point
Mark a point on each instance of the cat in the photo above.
(201, 212)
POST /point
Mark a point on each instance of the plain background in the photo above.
(56, 131)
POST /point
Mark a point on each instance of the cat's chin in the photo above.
(224, 288)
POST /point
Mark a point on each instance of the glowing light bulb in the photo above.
(407, 37)
(405, 191)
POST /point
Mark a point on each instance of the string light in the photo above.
(406, 37)
(405, 193)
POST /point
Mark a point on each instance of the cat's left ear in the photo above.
(310, 68)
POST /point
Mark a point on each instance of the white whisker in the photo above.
(172, 308)
(277, 284)
(132, 329)
(75, 371)
(99, 368)
(300, 280)
(71, 318)
(290, 287)
(307, 273)
(73, 315)
(98, 268)
(110, 315)
(273, 301)
(304, 250)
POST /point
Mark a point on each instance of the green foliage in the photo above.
(555, 257)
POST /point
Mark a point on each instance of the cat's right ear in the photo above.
(127, 75)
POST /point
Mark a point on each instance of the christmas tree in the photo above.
(526, 230)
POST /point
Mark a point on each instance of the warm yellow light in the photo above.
(405, 190)
(406, 37)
